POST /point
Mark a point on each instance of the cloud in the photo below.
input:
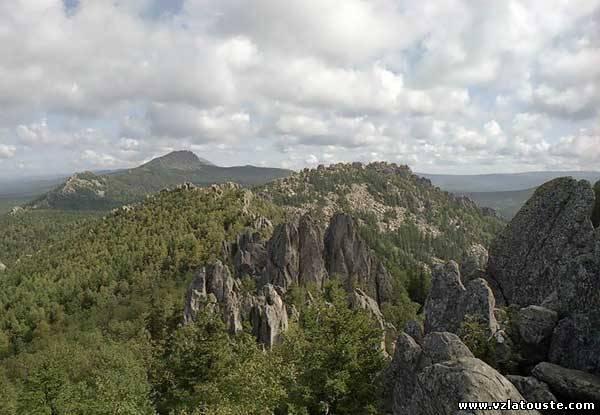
(7, 152)
(442, 84)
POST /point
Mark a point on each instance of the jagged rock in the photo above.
(449, 301)
(474, 262)
(532, 389)
(569, 384)
(269, 316)
(347, 256)
(415, 330)
(295, 255)
(250, 256)
(2, 267)
(536, 324)
(215, 280)
(432, 380)
(529, 258)
(576, 344)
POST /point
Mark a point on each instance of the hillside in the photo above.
(90, 191)
(404, 215)
(95, 310)
(507, 204)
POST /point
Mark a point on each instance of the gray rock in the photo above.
(250, 255)
(532, 389)
(269, 317)
(474, 262)
(569, 384)
(415, 330)
(433, 379)
(295, 255)
(215, 281)
(576, 344)
(449, 301)
(536, 324)
(348, 257)
(529, 258)
(359, 300)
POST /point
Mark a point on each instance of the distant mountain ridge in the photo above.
(91, 191)
(505, 193)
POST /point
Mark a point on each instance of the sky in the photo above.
(445, 86)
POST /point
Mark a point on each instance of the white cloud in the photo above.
(452, 83)
(7, 152)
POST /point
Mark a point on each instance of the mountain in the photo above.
(503, 182)
(505, 193)
(91, 191)
(324, 267)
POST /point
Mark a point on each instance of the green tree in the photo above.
(335, 356)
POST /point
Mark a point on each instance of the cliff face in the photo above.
(296, 254)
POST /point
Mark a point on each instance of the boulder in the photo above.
(269, 316)
(415, 330)
(433, 379)
(529, 259)
(449, 301)
(348, 257)
(532, 389)
(576, 344)
(474, 262)
(536, 324)
(569, 384)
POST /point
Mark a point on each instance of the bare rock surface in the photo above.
(450, 302)
(569, 384)
(432, 379)
(532, 389)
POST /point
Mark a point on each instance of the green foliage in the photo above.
(475, 335)
(335, 356)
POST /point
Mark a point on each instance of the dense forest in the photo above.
(91, 307)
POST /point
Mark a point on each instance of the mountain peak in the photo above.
(180, 160)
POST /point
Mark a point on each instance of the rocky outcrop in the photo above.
(549, 255)
(250, 257)
(269, 316)
(450, 302)
(532, 389)
(348, 257)
(432, 379)
(474, 262)
(530, 258)
(569, 384)
(295, 255)
(214, 285)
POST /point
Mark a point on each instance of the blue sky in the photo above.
(446, 86)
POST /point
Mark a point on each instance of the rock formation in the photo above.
(530, 259)
(569, 384)
(269, 316)
(348, 257)
(532, 389)
(549, 255)
(215, 282)
(432, 379)
(450, 302)
(474, 262)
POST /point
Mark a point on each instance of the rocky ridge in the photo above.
(297, 253)
(545, 269)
